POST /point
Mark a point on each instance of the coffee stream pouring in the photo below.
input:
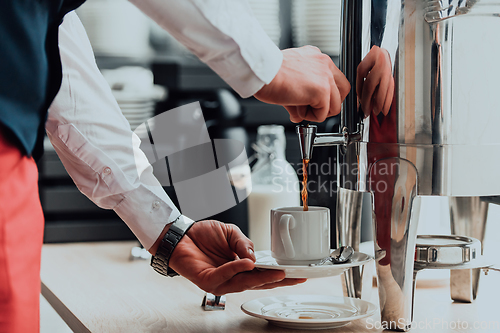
(436, 134)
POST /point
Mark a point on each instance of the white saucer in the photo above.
(309, 312)
(266, 261)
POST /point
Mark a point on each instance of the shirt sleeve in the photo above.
(222, 33)
(94, 141)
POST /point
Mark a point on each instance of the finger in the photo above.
(283, 283)
(343, 85)
(341, 81)
(335, 101)
(249, 280)
(364, 68)
(304, 110)
(380, 95)
(294, 115)
(226, 272)
(335, 95)
(388, 98)
(239, 243)
(320, 107)
(371, 83)
(360, 81)
(339, 91)
(372, 107)
(317, 115)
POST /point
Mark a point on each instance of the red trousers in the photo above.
(21, 236)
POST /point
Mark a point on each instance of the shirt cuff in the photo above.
(146, 214)
(247, 81)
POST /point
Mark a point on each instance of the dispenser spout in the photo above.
(309, 138)
(306, 134)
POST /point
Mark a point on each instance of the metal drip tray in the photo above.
(447, 252)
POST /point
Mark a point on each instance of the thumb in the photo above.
(239, 243)
(225, 272)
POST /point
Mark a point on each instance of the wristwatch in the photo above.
(177, 230)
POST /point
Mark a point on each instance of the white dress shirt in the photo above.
(93, 138)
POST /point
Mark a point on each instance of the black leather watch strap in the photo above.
(177, 230)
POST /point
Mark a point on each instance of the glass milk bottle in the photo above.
(274, 184)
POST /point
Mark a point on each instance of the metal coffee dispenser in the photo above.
(441, 136)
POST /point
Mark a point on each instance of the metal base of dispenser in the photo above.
(468, 217)
(395, 224)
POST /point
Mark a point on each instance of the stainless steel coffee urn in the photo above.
(441, 136)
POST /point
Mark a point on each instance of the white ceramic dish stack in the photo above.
(135, 93)
(317, 22)
(267, 13)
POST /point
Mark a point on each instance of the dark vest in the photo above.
(30, 67)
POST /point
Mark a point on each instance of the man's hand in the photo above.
(308, 85)
(374, 82)
(219, 259)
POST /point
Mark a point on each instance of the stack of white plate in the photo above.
(137, 111)
(135, 93)
(267, 13)
(115, 28)
(317, 22)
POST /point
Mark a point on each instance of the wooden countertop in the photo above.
(95, 288)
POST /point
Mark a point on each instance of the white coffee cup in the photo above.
(300, 237)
